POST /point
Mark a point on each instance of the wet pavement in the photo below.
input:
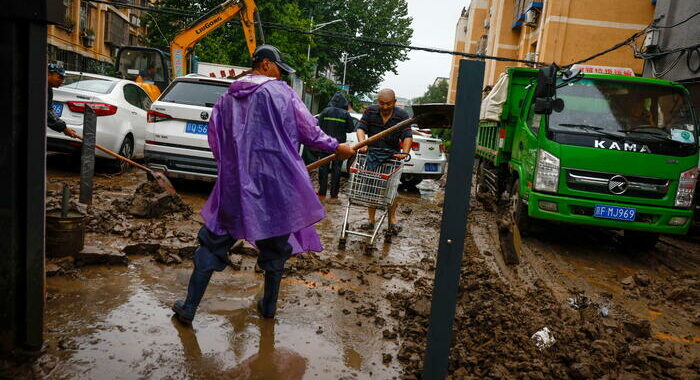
(346, 315)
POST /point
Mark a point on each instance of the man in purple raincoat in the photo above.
(263, 193)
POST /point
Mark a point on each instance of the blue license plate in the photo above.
(615, 212)
(431, 167)
(57, 109)
(196, 128)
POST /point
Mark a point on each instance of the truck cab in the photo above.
(613, 151)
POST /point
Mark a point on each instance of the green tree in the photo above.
(386, 20)
(383, 20)
(226, 45)
(436, 93)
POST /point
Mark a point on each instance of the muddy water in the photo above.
(116, 322)
(335, 319)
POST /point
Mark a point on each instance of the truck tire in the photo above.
(518, 208)
(639, 241)
(480, 190)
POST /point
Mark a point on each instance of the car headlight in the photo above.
(686, 188)
(547, 173)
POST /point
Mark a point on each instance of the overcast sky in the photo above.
(434, 24)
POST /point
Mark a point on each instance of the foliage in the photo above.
(377, 19)
(437, 93)
(385, 20)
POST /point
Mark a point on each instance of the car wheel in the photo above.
(410, 181)
(126, 150)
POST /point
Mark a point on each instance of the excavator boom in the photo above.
(183, 43)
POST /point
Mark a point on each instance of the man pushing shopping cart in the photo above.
(375, 173)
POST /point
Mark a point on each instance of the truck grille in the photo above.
(597, 182)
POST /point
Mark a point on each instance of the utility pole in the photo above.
(312, 29)
(345, 59)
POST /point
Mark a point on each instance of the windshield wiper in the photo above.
(648, 131)
(666, 136)
(593, 128)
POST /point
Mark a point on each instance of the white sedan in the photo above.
(120, 106)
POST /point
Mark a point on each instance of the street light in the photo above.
(345, 58)
(313, 29)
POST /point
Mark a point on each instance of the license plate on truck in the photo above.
(615, 212)
(196, 128)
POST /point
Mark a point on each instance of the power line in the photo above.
(167, 11)
(676, 24)
(396, 45)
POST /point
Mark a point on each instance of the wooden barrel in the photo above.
(64, 236)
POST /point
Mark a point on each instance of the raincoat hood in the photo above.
(247, 85)
(339, 101)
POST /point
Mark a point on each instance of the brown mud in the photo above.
(344, 315)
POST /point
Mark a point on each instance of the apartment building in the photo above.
(91, 33)
(560, 31)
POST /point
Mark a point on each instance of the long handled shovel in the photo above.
(160, 178)
(429, 115)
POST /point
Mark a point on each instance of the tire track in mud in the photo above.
(500, 307)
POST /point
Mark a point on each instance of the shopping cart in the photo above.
(371, 189)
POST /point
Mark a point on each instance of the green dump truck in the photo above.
(614, 151)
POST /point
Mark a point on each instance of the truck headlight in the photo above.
(686, 188)
(547, 172)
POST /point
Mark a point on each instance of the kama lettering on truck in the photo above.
(626, 147)
(207, 25)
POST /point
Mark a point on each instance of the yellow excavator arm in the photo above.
(182, 45)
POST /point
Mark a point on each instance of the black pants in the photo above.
(212, 255)
(334, 167)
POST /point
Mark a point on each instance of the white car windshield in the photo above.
(86, 83)
(204, 94)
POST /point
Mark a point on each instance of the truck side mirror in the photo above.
(558, 105)
(543, 106)
(570, 74)
(546, 81)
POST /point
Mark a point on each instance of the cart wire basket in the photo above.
(371, 189)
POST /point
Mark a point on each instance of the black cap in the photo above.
(273, 54)
(56, 68)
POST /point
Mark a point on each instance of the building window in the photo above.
(84, 16)
(116, 30)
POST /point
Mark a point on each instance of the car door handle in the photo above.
(134, 113)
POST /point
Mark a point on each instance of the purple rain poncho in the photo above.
(263, 189)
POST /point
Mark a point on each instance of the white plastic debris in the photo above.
(579, 302)
(543, 339)
(604, 310)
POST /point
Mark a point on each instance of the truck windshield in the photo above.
(625, 110)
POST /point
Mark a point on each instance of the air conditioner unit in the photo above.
(531, 57)
(531, 17)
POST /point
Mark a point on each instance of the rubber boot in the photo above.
(195, 291)
(267, 305)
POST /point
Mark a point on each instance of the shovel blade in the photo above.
(163, 181)
(434, 115)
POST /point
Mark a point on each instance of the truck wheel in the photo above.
(518, 208)
(480, 190)
(639, 241)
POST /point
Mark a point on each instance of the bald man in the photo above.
(375, 119)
